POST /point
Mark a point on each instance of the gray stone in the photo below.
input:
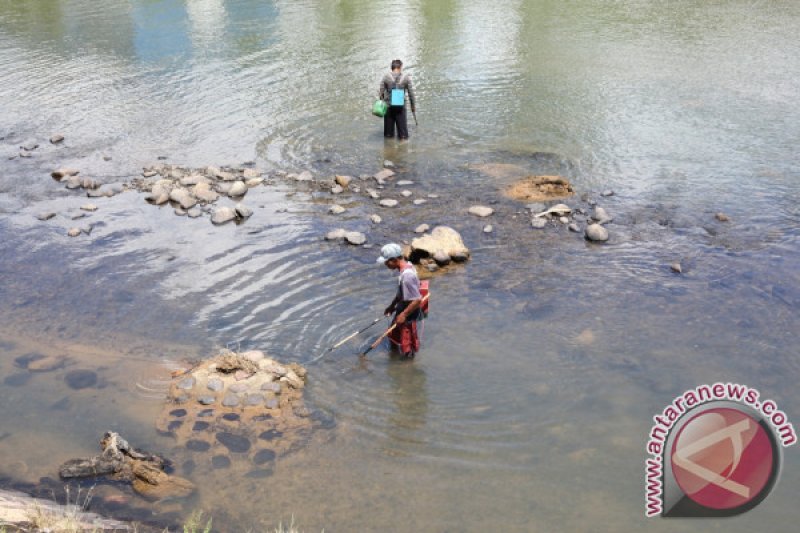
(596, 233)
(194, 212)
(25, 153)
(222, 215)
(215, 384)
(242, 211)
(406, 193)
(57, 138)
(237, 189)
(388, 202)
(433, 196)
(538, 222)
(45, 216)
(420, 201)
(253, 182)
(336, 209)
(563, 220)
(77, 215)
(73, 182)
(601, 216)
(186, 383)
(722, 217)
(575, 227)
(336, 234)
(250, 173)
(74, 232)
(404, 183)
(238, 387)
(676, 267)
(337, 189)
(480, 211)
(254, 399)
(206, 400)
(376, 219)
(422, 228)
(230, 400)
(355, 237)
(180, 212)
(271, 387)
(383, 175)
(372, 193)
(89, 207)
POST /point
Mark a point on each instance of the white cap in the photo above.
(390, 251)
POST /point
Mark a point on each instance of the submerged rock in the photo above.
(538, 223)
(722, 217)
(80, 379)
(383, 175)
(335, 235)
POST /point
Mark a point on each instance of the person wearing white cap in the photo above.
(406, 303)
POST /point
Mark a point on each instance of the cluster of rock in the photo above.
(122, 462)
(577, 220)
(194, 191)
(238, 406)
(27, 150)
(71, 180)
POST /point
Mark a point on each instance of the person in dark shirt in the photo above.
(396, 114)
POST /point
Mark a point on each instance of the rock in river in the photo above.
(242, 211)
(336, 209)
(376, 219)
(480, 210)
(596, 232)
(388, 202)
(601, 216)
(80, 379)
(336, 234)
(343, 181)
(61, 173)
(356, 238)
(442, 239)
(222, 215)
(233, 442)
(74, 232)
(237, 189)
(57, 138)
(538, 223)
(422, 228)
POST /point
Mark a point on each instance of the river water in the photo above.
(544, 357)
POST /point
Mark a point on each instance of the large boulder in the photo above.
(442, 240)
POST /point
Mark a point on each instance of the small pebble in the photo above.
(488, 228)
(676, 267)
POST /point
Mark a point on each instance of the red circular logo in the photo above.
(722, 458)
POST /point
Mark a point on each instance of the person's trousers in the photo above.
(405, 337)
(395, 116)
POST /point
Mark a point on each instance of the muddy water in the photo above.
(544, 357)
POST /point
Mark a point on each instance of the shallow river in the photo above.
(544, 357)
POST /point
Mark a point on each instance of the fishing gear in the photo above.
(341, 342)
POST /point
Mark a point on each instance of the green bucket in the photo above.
(379, 108)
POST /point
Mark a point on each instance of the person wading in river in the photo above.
(406, 304)
(394, 87)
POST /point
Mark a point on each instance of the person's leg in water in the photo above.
(402, 123)
(388, 123)
(405, 338)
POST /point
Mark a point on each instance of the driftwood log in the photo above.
(123, 462)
